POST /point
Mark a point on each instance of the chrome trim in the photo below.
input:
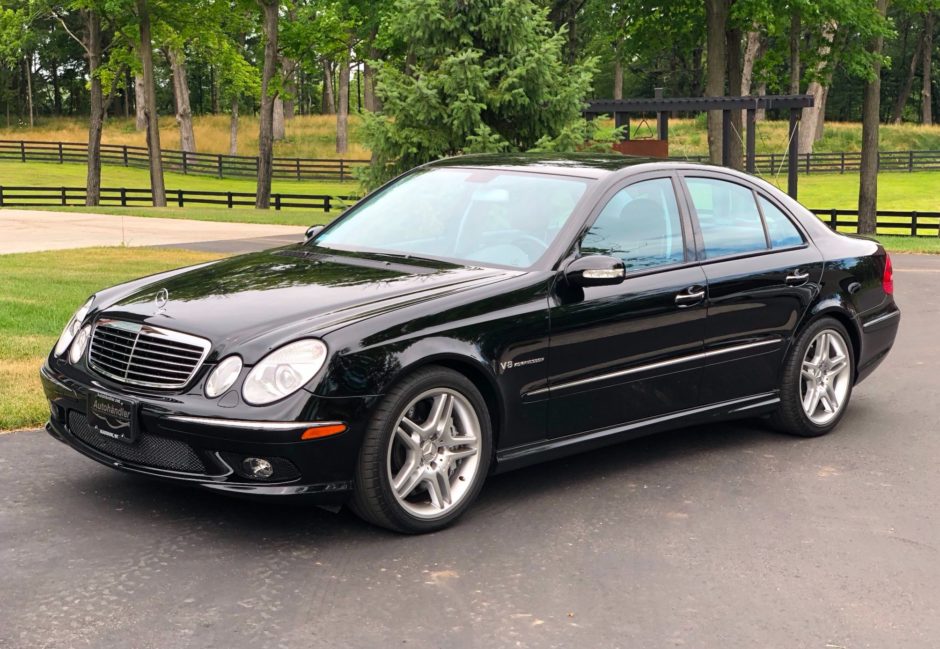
(652, 366)
(136, 329)
(881, 318)
(759, 404)
(255, 425)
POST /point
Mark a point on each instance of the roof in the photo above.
(592, 165)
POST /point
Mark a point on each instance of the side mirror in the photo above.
(595, 270)
(312, 231)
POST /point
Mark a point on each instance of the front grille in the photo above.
(143, 355)
(148, 450)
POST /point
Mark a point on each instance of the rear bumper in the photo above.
(202, 453)
(878, 331)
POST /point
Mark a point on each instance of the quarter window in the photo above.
(780, 229)
(727, 216)
(640, 225)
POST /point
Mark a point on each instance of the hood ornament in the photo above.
(162, 297)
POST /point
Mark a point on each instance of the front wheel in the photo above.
(425, 454)
(817, 380)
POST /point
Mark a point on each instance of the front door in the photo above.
(624, 353)
(762, 275)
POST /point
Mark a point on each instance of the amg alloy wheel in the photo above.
(426, 453)
(817, 380)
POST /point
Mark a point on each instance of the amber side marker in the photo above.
(323, 431)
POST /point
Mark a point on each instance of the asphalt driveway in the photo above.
(34, 230)
(726, 536)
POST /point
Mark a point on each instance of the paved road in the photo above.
(727, 536)
(33, 230)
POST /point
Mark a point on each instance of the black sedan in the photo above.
(476, 315)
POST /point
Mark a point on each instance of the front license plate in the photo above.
(113, 416)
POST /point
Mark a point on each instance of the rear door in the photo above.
(632, 351)
(762, 274)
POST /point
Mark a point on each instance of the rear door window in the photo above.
(728, 217)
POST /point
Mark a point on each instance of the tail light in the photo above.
(887, 279)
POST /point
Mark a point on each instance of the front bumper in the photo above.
(173, 444)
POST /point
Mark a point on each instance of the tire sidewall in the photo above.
(805, 340)
(385, 426)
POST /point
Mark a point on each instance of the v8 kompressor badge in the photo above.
(509, 365)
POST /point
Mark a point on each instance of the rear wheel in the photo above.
(426, 453)
(817, 380)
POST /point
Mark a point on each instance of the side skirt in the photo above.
(519, 456)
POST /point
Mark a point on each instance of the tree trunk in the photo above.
(342, 115)
(908, 85)
(279, 128)
(927, 71)
(817, 88)
(821, 120)
(289, 69)
(618, 76)
(871, 108)
(28, 61)
(96, 117)
(184, 113)
(233, 129)
(751, 52)
(761, 113)
(329, 103)
(795, 51)
(150, 107)
(214, 91)
(735, 77)
(56, 88)
(368, 90)
(140, 102)
(126, 92)
(716, 16)
(269, 10)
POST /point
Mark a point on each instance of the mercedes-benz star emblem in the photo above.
(162, 297)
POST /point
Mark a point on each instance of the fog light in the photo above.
(257, 467)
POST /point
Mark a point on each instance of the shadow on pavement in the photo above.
(135, 502)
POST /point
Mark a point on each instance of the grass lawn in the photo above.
(240, 215)
(916, 245)
(47, 174)
(38, 292)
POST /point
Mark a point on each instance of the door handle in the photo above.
(690, 296)
(796, 278)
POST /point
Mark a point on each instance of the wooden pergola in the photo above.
(621, 109)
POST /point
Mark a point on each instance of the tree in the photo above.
(482, 76)
(269, 11)
(927, 52)
(157, 188)
(716, 18)
(871, 117)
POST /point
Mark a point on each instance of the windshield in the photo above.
(473, 216)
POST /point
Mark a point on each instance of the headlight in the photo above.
(79, 344)
(72, 328)
(284, 371)
(223, 376)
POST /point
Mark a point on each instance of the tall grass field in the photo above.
(313, 136)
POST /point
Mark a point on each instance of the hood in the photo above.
(276, 295)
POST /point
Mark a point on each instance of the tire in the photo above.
(437, 455)
(824, 351)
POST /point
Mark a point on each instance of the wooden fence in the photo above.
(221, 166)
(913, 223)
(124, 197)
(208, 164)
(842, 162)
